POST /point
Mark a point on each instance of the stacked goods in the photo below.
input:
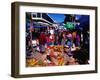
(31, 62)
(58, 48)
(53, 56)
(56, 55)
(40, 63)
(60, 61)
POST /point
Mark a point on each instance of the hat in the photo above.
(66, 46)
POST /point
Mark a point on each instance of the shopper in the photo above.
(42, 41)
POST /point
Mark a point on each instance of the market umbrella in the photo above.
(69, 26)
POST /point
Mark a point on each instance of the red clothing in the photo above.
(48, 39)
(42, 39)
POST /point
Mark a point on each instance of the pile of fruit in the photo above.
(34, 63)
(55, 54)
(31, 62)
